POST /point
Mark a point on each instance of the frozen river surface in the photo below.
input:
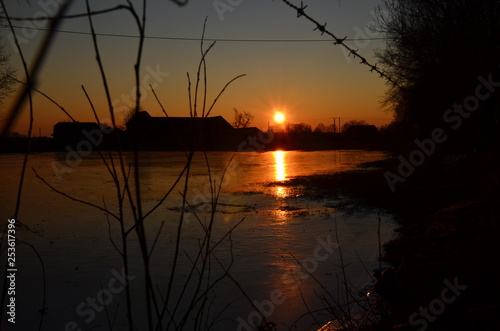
(82, 272)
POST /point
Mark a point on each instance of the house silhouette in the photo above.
(74, 134)
(183, 133)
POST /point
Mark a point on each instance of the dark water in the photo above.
(280, 227)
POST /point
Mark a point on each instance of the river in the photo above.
(281, 229)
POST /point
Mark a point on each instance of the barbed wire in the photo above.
(339, 41)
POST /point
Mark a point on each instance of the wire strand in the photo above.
(206, 39)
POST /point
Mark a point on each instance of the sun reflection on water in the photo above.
(279, 157)
(281, 192)
(280, 175)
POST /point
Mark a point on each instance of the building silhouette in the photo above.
(184, 133)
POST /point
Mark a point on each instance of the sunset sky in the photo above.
(309, 82)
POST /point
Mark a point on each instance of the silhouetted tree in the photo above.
(324, 128)
(436, 50)
(331, 128)
(321, 128)
(7, 75)
(241, 120)
(299, 128)
(348, 124)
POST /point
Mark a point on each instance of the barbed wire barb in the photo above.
(300, 11)
(339, 41)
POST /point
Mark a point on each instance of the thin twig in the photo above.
(30, 128)
(203, 54)
(158, 100)
(73, 198)
(79, 15)
(379, 243)
(155, 241)
(38, 61)
(109, 229)
(47, 97)
(346, 287)
(220, 93)
(43, 310)
(191, 114)
(304, 301)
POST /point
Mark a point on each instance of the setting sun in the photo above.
(279, 117)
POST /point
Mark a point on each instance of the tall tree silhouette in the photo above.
(350, 123)
(436, 51)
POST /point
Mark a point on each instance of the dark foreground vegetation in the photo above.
(448, 216)
(444, 57)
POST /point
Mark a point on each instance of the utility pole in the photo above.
(334, 125)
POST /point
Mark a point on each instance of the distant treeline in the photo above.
(257, 141)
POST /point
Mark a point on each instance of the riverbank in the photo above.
(448, 213)
(287, 141)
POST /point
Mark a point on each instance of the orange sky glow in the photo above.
(310, 82)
